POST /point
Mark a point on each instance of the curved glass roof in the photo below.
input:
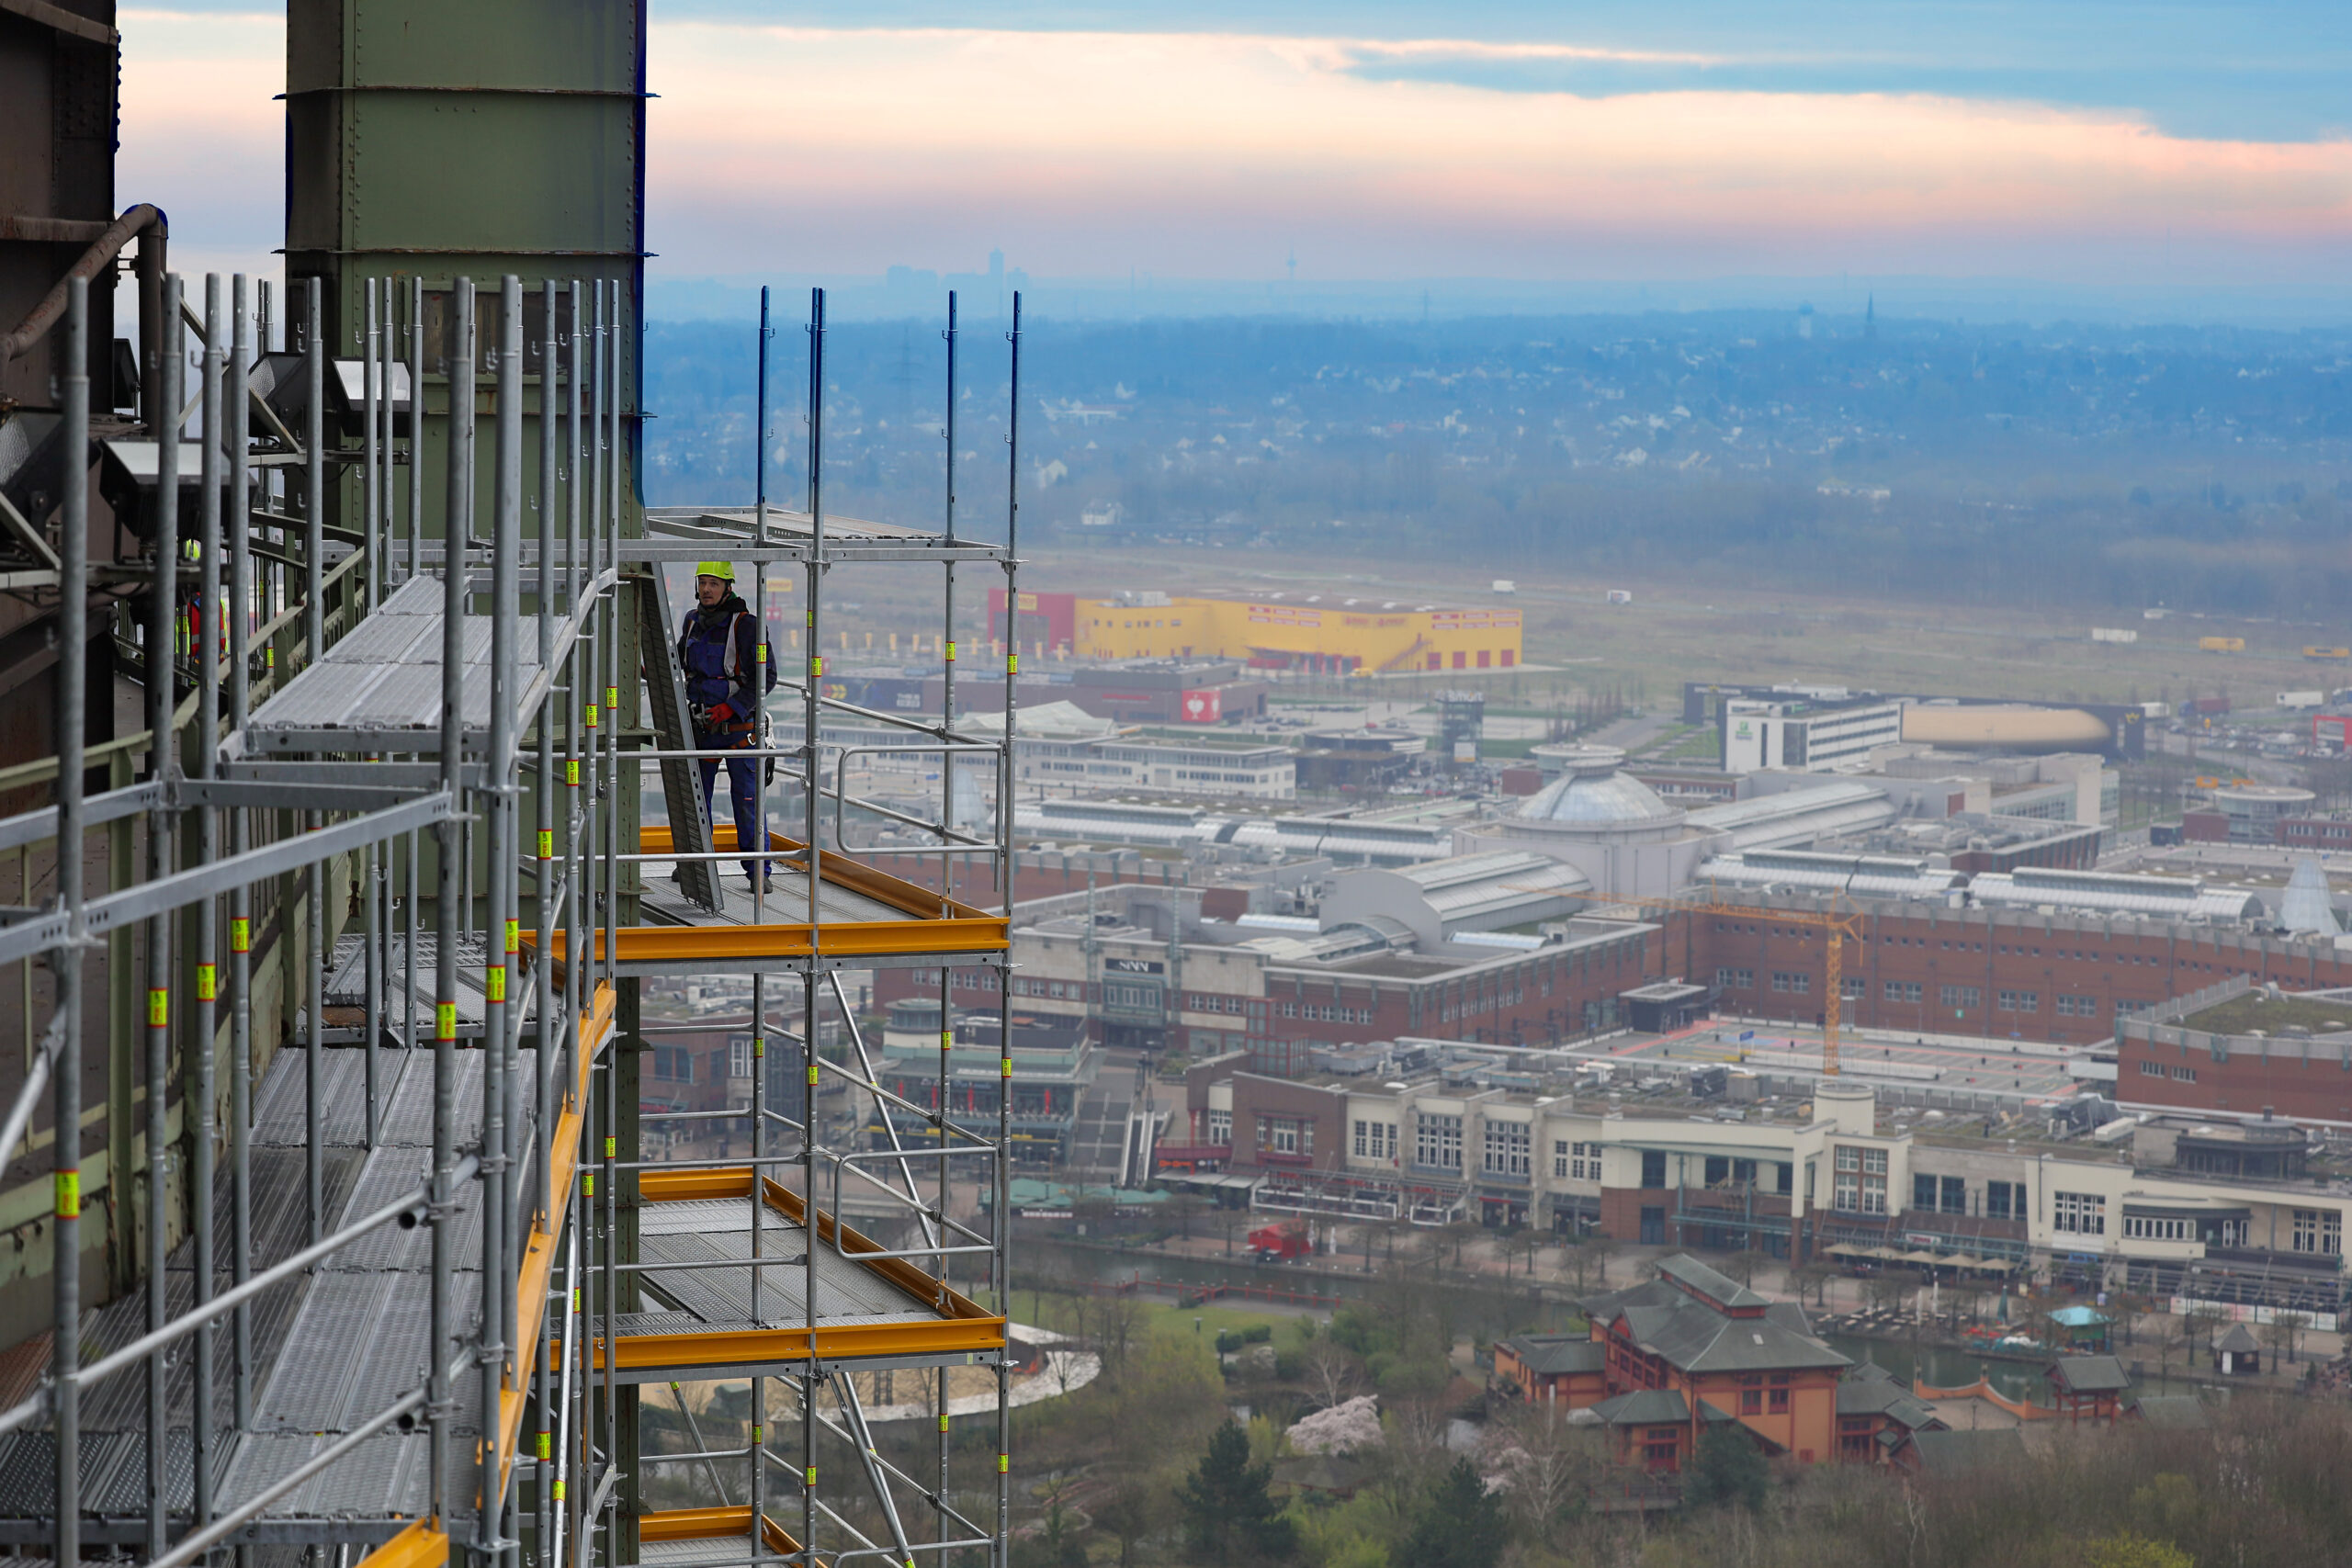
(1596, 799)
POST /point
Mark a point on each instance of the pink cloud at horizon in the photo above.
(802, 150)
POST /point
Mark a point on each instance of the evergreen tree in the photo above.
(1728, 1468)
(1226, 1511)
(1462, 1527)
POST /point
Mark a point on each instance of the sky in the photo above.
(2073, 145)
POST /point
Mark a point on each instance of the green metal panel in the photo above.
(436, 139)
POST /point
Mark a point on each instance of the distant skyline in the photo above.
(2202, 163)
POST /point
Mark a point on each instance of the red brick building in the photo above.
(1724, 1353)
(1567, 1370)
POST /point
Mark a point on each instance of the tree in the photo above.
(1131, 1512)
(1226, 1510)
(1742, 1265)
(2170, 1334)
(1461, 1527)
(2292, 1324)
(1886, 1290)
(1331, 1375)
(2125, 1550)
(1117, 1320)
(1545, 1466)
(1728, 1469)
(1056, 1546)
(2203, 1318)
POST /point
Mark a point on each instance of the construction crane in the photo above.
(1836, 924)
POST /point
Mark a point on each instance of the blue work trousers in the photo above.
(742, 786)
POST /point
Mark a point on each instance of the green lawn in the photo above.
(1060, 1313)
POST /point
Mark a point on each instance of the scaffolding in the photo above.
(424, 1266)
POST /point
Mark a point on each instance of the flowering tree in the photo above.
(1342, 1428)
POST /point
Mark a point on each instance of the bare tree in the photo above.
(1543, 1463)
(1578, 1261)
(2170, 1334)
(1331, 1372)
(2201, 1319)
(1117, 1320)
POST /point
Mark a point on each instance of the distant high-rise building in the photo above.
(1870, 318)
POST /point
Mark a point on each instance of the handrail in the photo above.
(102, 251)
(40, 770)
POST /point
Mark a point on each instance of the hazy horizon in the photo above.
(1525, 157)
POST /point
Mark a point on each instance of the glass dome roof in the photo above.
(1592, 791)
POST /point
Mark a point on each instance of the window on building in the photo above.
(2155, 1227)
(1576, 1162)
(2152, 1069)
(1847, 1192)
(1794, 983)
(2184, 1074)
(1653, 1168)
(1221, 1128)
(1955, 1195)
(1923, 1193)
(1734, 980)
(1902, 991)
(2018, 1001)
(1960, 998)
(2004, 1199)
(1751, 1402)
(1853, 987)
(1780, 1401)
(1437, 1142)
(1279, 1134)
(1508, 1144)
(2078, 1214)
(1873, 1181)
(2077, 1007)
(2319, 1231)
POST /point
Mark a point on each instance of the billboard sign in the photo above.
(1203, 707)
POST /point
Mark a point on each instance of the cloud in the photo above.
(1646, 146)
(1210, 153)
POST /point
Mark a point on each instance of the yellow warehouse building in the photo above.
(1320, 633)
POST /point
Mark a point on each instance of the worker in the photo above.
(727, 666)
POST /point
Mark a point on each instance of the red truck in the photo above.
(1286, 1241)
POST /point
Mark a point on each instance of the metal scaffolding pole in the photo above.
(371, 869)
(440, 1407)
(74, 573)
(545, 1449)
(197, 1099)
(506, 522)
(163, 628)
(946, 877)
(314, 634)
(1004, 972)
(809, 1033)
(415, 549)
(240, 973)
